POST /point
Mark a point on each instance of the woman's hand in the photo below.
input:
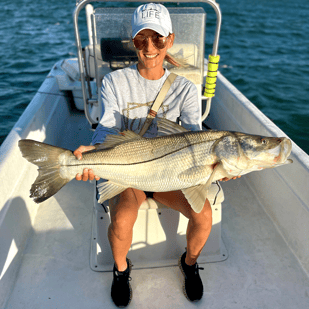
(87, 174)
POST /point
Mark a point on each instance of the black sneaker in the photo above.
(193, 286)
(121, 288)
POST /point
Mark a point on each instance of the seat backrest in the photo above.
(115, 23)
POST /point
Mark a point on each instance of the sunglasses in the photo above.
(158, 41)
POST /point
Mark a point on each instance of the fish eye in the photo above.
(263, 141)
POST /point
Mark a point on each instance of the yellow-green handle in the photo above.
(211, 78)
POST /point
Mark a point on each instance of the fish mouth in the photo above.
(282, 151)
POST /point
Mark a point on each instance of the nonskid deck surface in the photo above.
(260, 272)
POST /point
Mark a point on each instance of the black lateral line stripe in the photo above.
(137, 162)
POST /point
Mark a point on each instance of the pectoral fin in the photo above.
(216, 169)
(196, 196)
(108, 190)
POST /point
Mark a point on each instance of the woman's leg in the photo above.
(199, 225)
(123, 210)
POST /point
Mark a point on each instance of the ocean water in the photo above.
(264, 49)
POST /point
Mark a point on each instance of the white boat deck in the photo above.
(260, 271)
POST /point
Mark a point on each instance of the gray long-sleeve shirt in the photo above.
(127, 98)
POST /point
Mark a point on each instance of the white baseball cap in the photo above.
(151, 16)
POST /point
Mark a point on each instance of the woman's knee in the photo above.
(133, 198)
(124, 213)
(204, 217)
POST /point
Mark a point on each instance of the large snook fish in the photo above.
(177, 160)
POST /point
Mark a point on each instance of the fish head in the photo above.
(264, 152)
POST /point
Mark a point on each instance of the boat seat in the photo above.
(112, 23)
(159, 235)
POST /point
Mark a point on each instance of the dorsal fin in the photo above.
(167, 127)
(112, 140)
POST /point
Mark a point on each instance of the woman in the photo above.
(127, 96)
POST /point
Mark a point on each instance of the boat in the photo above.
(55, 254)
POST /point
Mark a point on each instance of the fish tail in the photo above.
(48, 159)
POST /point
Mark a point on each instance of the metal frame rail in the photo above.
(81, 4)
